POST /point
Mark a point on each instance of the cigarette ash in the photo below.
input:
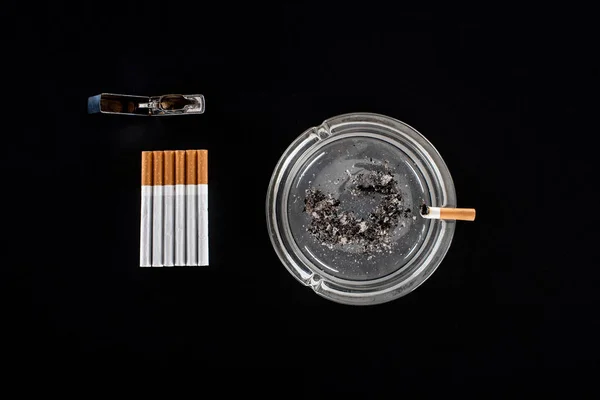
(331, 225)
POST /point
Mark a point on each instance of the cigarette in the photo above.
(157, 210)
(169, 211)
(180, 233)
(458, 214)
(202, 207)
(146, 211)
(192, 207)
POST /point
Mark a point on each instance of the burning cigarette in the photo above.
(459, 214)
(192, 207)
(169, 211)
(202, 207)
(157, 210)
(180, 208)
(146, 211)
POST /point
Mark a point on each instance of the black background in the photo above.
(496, 92)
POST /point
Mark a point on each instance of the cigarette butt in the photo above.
(191, 207)
(146, 211)
(202, 207)
(157, 210)
(458, 214)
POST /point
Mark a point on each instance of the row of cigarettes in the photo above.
(174, 208)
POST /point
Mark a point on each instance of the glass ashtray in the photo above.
(343, 209)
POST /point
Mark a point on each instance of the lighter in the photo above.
(170, 104)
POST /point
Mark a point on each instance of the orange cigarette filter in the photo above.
(202, 167)
(180, 167)
(169, 167)
(460, 214)
(192, 169)
(147, 168)
(159, 158)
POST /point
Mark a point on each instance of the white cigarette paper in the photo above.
(157, 227)
(146, 227)
(433, 213)
(203, 224)
(169, 230)
(192, 225)
(180, 225)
